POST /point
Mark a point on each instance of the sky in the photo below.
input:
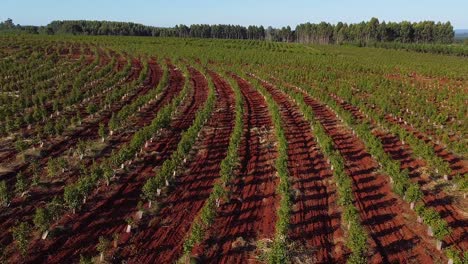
(274, 13)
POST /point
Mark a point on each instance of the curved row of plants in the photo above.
(220, 190)
(71, 116)
(37, 102)
(278, 253)
(55, 165)
(419, 146)
(413, 194)
(10, 69)
(32, 96)
(130, 109)
(168, 170)
(428, 106)
(401, 183)
(26, 64)
(104, 86)
(75, 194)
(357, 236)
(65, 108)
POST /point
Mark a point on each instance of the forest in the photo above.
(322, 33)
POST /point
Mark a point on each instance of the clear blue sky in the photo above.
(244, 12)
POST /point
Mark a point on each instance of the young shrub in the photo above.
(85, 260)
(52, 167)
(103, 246)
(42, 220)
(413, 194)
(55, 208)
(21, 185)
(72, 197)
(102, 132)
(91, 109)
(4, 194)
(21, 234)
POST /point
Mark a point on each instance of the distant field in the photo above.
(164, 150)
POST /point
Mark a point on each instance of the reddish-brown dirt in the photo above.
(433, 197)
(161, 241)
(316, 219)
(37, 196)
(457, 164)
(393, 238)
(58, 144)
(25, 207)
(48, 105)
(108, 208)
(250, 215)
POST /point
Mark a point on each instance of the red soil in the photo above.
(316, 219)
(56, 145)
(393, 238)
(76, 52)
(433, 197)
(25, 206)
(251, 213)
(161, 240)
(457, 164)
(37, 196)
(108, 208)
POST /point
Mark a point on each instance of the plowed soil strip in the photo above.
(315, 221)
(433, 197)
(393, 238)
(106, 214)
(251, 213)
(88, 130)
(24, 208)
(161, 241)
(457, 164)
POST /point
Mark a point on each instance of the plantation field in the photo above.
(171, 150)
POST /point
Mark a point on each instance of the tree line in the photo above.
(322, 33)
(374, 31)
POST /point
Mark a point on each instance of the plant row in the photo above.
(401, 182)
(167, 172)
(75, 194)
(220, 190)
(279, 253)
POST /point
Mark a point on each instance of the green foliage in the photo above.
(92, 108)
(21, 236)
(5, 195)
(72, 196)
(357, 239)
(42, 219)
(21, 184)
(414, 193)
(279, 251)
(103, 245)
(21, 145)
(228, 165)
(85, 260)
(188, 138)
(102, 131)
(433, 219)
